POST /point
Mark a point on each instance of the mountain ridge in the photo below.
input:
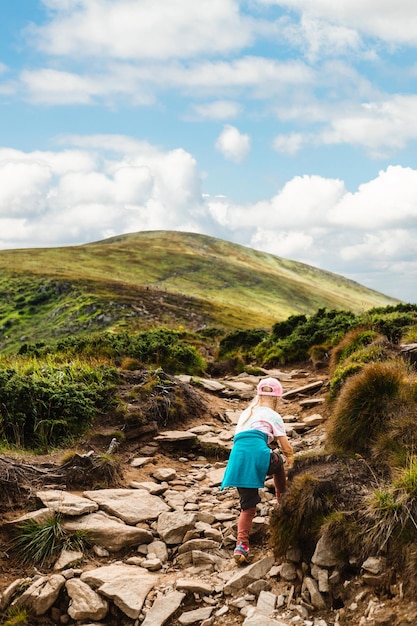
(171, 278)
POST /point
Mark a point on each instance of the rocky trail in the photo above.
(162, 541)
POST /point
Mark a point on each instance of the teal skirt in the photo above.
(248, 461)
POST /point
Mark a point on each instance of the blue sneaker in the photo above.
(241, 553)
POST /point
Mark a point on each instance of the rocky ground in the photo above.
(163, 540)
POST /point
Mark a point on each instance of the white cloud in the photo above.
(110, 143)
(218, 110)
(20, 199)
(233, 144)
(389, 200)
(378, 126)
(50, 86)
(302, 203)
(75, 196)
(145, 29)
(319, 38)
(288, 244)
(381, 127)
(255, 76)
(289, 144)
(382, 247)
(59, 163)
(394, 21)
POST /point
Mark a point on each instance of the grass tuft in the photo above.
(16, 616)
(39, 544)
(298, 520)
(363, 408)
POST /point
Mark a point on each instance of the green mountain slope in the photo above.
(154, 278)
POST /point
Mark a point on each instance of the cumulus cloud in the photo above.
(381, 127)
(303, 201)
(75, 196)
(20, 199)
(378, 126)
(383, 247)
(287, 244)
(127, 29)
(390, 200)
(233, 144)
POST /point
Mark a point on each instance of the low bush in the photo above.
(351, 342)
(324, 328)
(240, 342)
(284, 329)
(374, 352)
(45, 402)
(364, 407)
(169, 349)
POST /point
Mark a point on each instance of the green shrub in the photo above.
(384, 519)
(160, 347)
(410, 335)
(324, 328)
(374, 352)
(241, 342)
(351, 342)
(45, 402)
(393, 321)
(291, 340)
(283, 329)
(340, 376)
(269, 355)
(363, 408)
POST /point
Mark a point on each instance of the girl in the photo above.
(251, 459)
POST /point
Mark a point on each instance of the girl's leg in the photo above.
(277, 470)
(249, 498)
(245, 524)
(280, 482)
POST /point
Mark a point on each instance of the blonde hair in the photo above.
(269, 401)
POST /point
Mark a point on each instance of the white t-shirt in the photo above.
(264, 419)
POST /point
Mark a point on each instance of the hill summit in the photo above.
(162, 278)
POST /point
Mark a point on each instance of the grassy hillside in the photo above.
(154, 278)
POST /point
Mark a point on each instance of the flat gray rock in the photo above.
(126, 585)
(175, 435)
(130, 505)
(109, 532)
(66, 503)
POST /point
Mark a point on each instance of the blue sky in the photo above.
(289, 127)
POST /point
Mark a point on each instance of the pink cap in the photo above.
(273, 384)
